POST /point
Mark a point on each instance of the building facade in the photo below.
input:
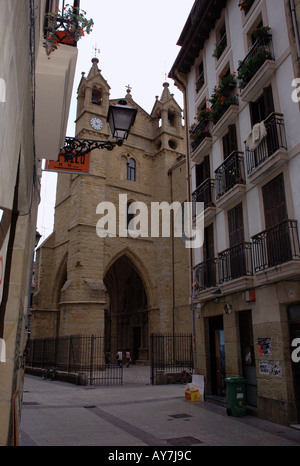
(27, 81)
(237, 66)
(118, 285)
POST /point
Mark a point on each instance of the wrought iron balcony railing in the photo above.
(205, 275)
(200, 82)
(274, 140)
(261, 51)
(199, 133)
(220, 46)
(230, 173)
(204, 193)
(235, 262)
(276, 245)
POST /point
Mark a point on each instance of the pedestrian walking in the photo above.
(128, 358)
(119, 357)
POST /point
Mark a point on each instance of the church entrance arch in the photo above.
(126, 319)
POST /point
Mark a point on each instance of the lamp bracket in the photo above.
(75, 146)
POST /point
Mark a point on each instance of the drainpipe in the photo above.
(295, 27)
(170, 173)
(188, 171)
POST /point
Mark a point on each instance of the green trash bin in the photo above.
(236, 396)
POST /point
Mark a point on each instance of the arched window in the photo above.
(96, 96)
(131, 170)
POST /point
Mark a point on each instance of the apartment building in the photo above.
(236, 66)
(35, 94)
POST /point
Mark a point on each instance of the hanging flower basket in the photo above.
(65, 27)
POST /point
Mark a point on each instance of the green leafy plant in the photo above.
(223, 96)
(67, 26)
(199, 130)
(262, 32)
(252, 65)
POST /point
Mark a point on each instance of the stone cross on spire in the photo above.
(129, 89)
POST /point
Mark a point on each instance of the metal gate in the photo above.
(91, 357)
(171, 353)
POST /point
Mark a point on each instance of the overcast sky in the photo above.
(137, 42)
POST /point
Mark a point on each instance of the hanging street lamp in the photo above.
(120, 118)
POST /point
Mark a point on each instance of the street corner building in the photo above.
(120, 287)
(35, 95)
(237, 68)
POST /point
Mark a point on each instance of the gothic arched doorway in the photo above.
(126, 320)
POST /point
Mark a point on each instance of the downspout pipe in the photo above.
(295, 27)
(188, 172)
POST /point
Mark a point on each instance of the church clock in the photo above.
(96, 123)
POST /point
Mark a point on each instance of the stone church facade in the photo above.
(118, 286)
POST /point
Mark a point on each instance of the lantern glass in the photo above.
(120, 119)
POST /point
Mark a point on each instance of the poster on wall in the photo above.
(270, 368)
(264, 346)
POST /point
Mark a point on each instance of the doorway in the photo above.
(127, 317)
(217, 355)
(248, 356)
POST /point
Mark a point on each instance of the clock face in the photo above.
(96, 123)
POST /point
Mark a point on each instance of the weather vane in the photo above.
(96, 51)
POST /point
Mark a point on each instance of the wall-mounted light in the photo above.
(120, 119)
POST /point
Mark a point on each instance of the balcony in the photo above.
(200, 82)
(256, 68)
(54, 86)
(232, 270)
(224, 104)
(271, 152)
(230, 179)
(235, 262)
(205, 193)
(200, 140)
(205, 275)
(276, 247)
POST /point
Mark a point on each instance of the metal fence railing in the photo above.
(91, 355)
(171, 353)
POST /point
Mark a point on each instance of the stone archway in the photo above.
(126, 320)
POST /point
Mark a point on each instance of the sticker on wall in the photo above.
(276, 369)
(270, 368)
(265, 367)
(264, 346)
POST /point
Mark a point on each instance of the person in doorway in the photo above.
(120, 358)
(128, 358)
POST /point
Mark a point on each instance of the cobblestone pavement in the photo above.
(136, 414)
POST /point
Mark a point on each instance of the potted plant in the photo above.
(248, 69)
(262, 32)
(199, 130)
(223, 96)
(245, 5)
(65, 27)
